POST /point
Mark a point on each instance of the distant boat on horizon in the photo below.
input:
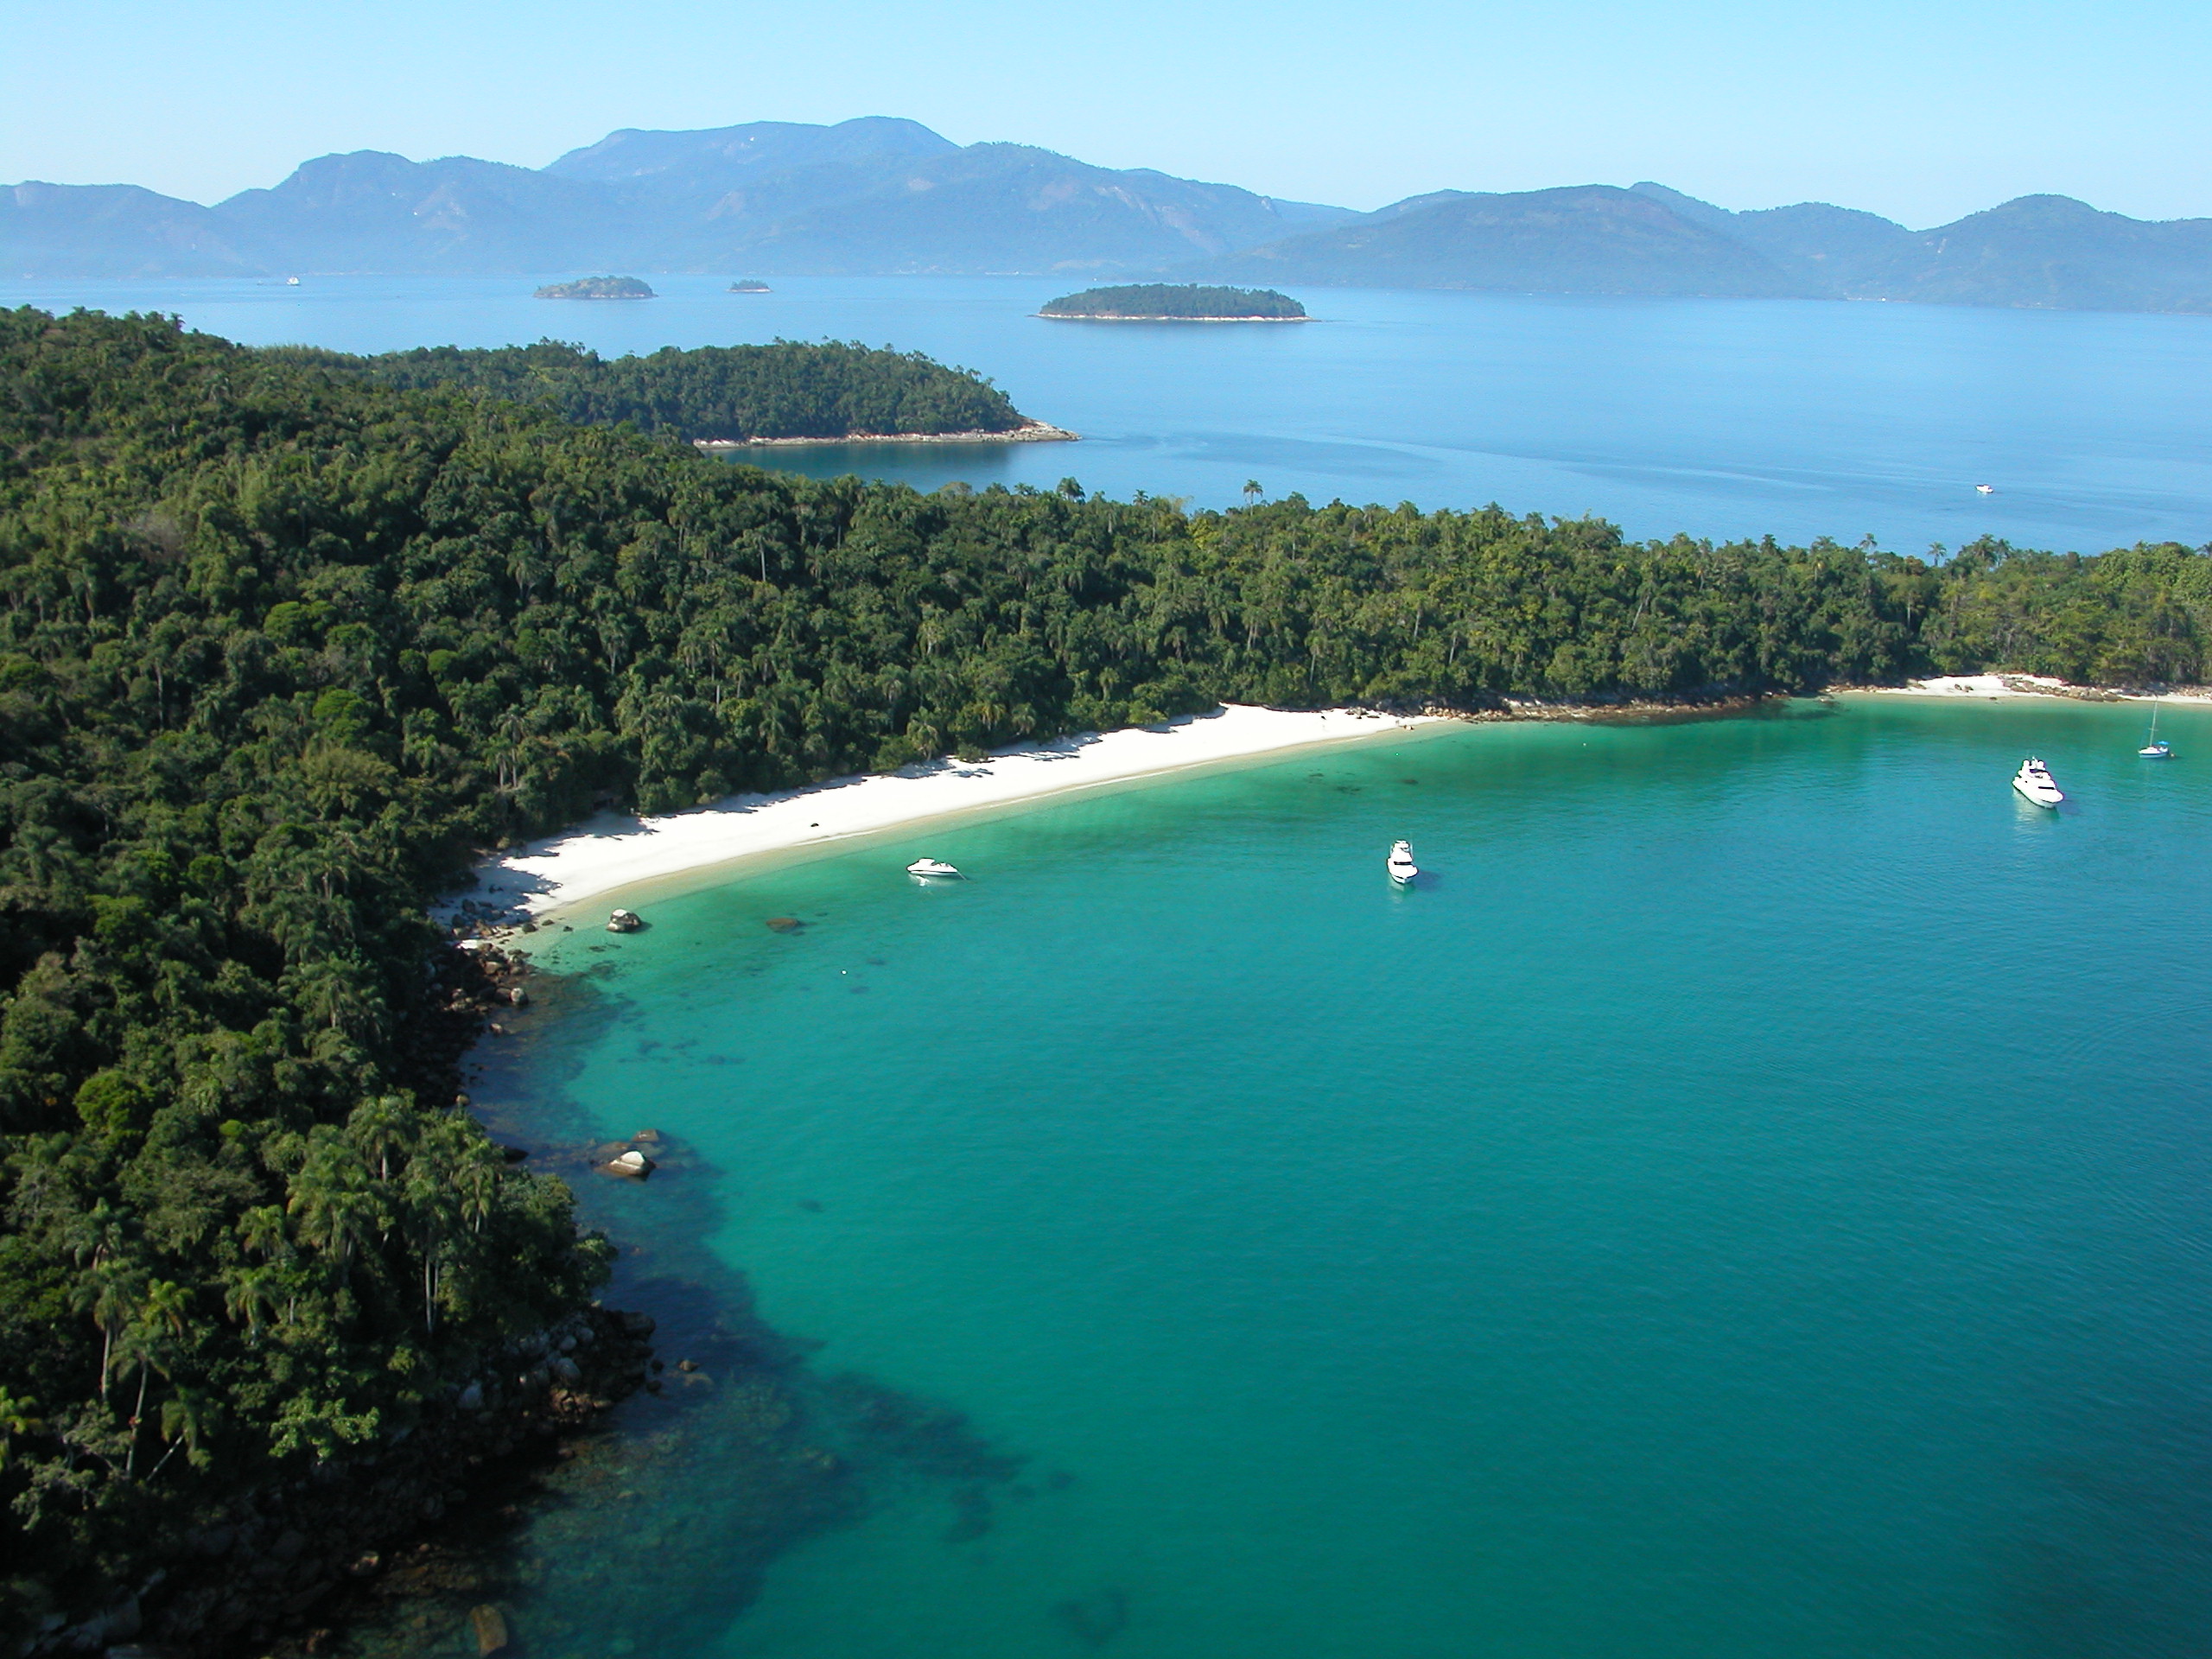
(2036, 784)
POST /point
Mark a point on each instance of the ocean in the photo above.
(1713, 418)
(1748, 1198)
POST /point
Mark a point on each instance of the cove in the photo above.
(1748, 1200)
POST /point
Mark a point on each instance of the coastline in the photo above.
(617, 854)
(1034, 432)
(2027, 685)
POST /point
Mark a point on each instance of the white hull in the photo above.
(2036, 785)
(1400, 865)
(932, 868)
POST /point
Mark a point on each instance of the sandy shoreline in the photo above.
(618, 856)
(2030, 685)
(1034, 432)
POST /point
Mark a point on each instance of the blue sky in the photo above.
(1922, 113)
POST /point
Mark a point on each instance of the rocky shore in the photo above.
(276, 1569)
(1031, 432)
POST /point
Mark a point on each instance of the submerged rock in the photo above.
(491, 1627)
(1095, 1619)
(785, 924)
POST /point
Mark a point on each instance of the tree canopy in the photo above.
(730, 393)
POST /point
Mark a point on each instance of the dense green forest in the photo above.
(1185, 300)
(597, 288)
(281, 648)
(727, 392)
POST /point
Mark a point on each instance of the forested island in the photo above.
(597, 288)
(728, 394)
(285, 640)
(1176, 303)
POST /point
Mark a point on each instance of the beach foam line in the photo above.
(619, 854)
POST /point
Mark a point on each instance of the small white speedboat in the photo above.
(933, 867)
(2035, 782)
(1402, 866)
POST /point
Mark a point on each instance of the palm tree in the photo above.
(188, 1418)
(249, 1293)
(380, 1127)
(1252, 490)
(16, 1420)
(162, 1313)
(262, 1229)
(104, 1230)
(331, 1203)
(110, 1293)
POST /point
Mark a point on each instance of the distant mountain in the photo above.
(874, 195)
(1583, 240)
(1816, 244)
(114, 230)
(2051, 251)
(884, 196)
(2039, 251)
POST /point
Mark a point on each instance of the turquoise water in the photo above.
(1721, 418)
(1749, 1199)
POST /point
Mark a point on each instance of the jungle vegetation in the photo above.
(597, 288)
(281, 648)
(1182, 300)
(785, 389)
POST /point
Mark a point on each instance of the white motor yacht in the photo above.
(2034, 781)
(936, 866)
(1402, 866)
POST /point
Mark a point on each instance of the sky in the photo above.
(1922, 113)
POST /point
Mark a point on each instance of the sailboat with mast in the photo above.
(2153, 749)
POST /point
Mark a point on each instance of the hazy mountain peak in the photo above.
(641, 153)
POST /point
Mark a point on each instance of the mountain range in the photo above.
(884, 196)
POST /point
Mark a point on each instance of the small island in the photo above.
(1176, 303)
(750, 285)
(597, 288)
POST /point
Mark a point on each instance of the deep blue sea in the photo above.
(1749, 1200)
(1718, 418)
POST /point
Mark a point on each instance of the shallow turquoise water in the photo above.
(1721, 418)
(1749, 1200)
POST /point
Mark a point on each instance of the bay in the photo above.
(1715, 418)
(1748, 1198)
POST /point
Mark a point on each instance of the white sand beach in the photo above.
(2032, 685)
(617, 854)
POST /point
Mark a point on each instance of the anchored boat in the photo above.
(926, 868)
(2153, 749)
(1402, 866)
(2035, 782)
